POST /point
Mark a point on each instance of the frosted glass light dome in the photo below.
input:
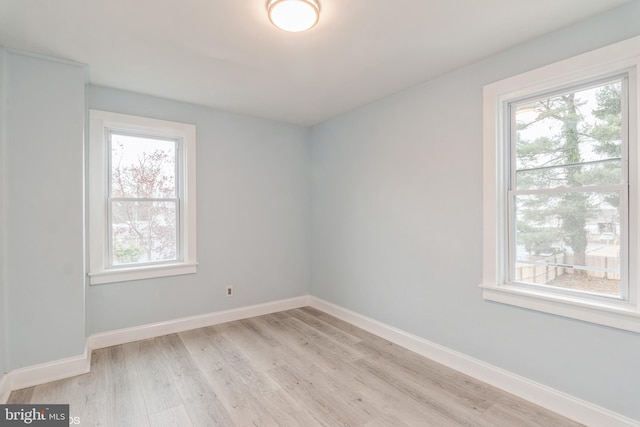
(294, 15)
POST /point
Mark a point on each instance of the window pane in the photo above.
(143, 232)
(569, 240)
(142, 167)
(572, 139)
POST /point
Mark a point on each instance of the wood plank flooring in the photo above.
(295, 368)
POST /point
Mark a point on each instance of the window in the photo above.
(142, 198)
(561, 188)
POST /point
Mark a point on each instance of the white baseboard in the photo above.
(5, 389)
(561, 403)
(46, 372)
(152, 330)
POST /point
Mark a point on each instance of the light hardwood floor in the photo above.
(295, 368)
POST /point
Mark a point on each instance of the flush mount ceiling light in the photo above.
(294, 15)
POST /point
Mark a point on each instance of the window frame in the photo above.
(101, 123)
(622, 188)
(617, 59)
(111, 200)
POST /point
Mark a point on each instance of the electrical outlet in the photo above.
(229, 291)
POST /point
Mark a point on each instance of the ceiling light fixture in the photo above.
(294, 15)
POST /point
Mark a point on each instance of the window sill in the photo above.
(139, 273)
(614, 314)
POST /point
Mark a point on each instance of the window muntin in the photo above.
(143, 204)
(567, 193)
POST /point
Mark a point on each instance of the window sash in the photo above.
(511, 128)
(111, 264)
(512, 260)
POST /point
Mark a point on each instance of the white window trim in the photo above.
(99, 122)
(495, 286)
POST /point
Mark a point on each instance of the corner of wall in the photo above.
(48, 120)
(4, 389)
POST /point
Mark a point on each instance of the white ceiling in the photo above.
(226, 54)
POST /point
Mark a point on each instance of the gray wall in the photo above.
(397, 227)
(253, 214)
(44, 235)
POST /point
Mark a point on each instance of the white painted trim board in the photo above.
(5, 389)
(123, 336)
(30, 376)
